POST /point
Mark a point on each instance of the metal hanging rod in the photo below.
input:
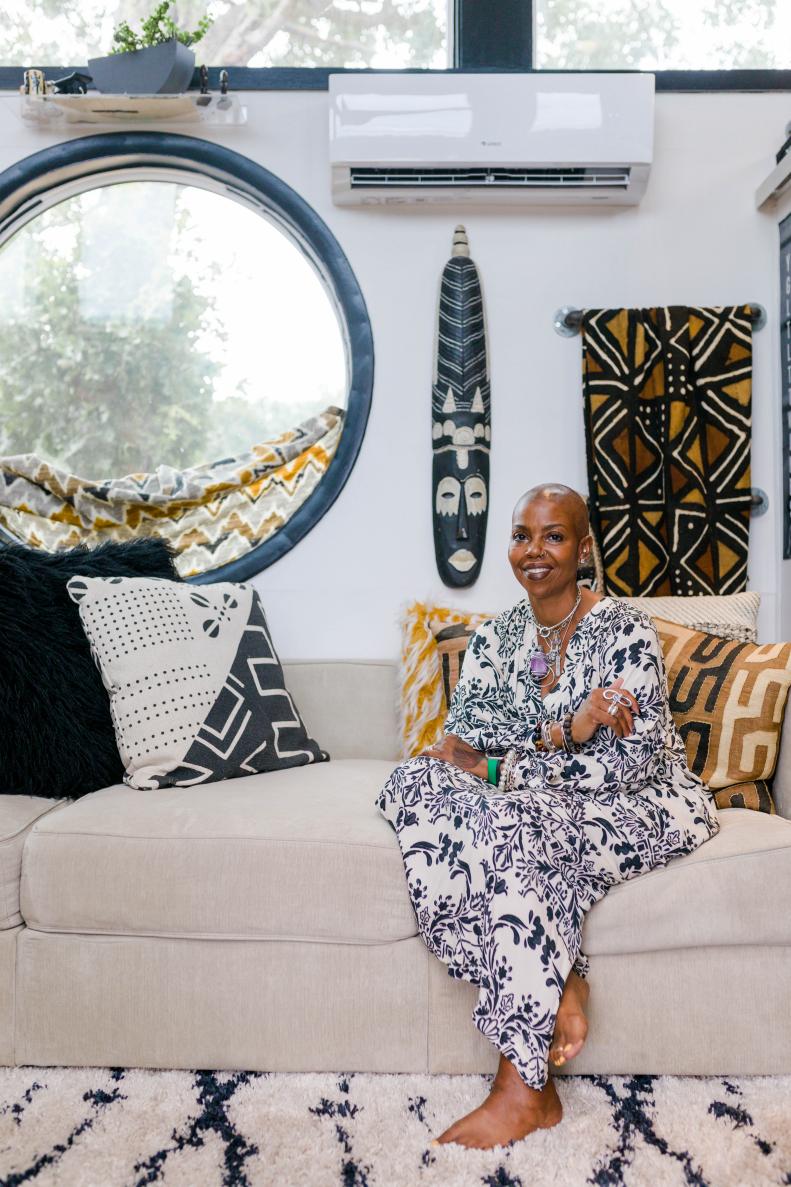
(568, 320)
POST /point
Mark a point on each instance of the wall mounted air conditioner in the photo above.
(516, 139)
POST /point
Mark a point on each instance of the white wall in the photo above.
(695, 239)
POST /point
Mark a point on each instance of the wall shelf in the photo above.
(776, 184)
(95, 108)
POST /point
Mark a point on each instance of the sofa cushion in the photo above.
(301, 854)
(17, 814)
(315, 860)
(729, 891)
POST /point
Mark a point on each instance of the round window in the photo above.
(170, 307)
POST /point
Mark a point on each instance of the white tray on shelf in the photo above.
(94, 108)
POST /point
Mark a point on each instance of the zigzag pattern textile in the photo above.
(667, 394)
(211, 514)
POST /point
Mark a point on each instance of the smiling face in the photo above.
(549, 540)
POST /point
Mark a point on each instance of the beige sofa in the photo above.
(264, 923)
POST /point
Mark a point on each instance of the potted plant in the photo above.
(157, 60)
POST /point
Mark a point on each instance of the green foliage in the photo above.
(261, 32)
(156, 29)
(101, 396)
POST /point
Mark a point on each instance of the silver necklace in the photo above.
(542, 661)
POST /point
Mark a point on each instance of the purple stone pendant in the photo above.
(538, 664)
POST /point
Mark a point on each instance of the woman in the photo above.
(561, 775)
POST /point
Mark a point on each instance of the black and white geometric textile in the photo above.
(197, 691)
(111, 1127)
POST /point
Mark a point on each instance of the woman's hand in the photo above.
(453, 750)
(595, 712)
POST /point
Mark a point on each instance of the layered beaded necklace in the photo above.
(541, 662)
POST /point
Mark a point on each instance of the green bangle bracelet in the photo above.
(493, 770)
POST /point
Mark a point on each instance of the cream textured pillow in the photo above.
(196, 688)
(730, 616)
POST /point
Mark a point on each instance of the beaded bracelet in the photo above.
(506, 771)
(542, 736)
(568, 737)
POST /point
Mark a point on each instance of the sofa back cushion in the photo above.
(350, 704)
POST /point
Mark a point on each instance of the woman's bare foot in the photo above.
(510, 1112)
(571, 1024)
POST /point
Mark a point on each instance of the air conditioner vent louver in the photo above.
(539, 138)
(554, 178)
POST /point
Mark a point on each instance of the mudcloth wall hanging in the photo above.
(667, 395)
(211, 514)
(460, 421)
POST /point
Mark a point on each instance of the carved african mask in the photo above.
(461, 426)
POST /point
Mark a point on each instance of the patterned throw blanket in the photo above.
(211, 514)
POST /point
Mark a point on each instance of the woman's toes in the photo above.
(449, 1135)
(571, 1030)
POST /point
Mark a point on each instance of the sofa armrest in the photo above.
(18, 815)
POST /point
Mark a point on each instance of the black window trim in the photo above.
(488, 36)
(315, 78)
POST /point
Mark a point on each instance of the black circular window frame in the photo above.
(22, 185)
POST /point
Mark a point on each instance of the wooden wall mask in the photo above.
(461, 421)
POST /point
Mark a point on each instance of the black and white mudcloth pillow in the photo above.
(196, 688)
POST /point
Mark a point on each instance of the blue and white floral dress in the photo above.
(500, 881)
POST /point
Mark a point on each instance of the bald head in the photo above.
(555, 492)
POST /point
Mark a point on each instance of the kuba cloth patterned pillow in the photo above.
(197, 692)
(728, 700)
(435, 641)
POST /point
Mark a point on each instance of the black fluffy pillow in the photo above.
(56, 735)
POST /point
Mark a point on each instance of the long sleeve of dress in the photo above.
(481, 710)
(608, 762)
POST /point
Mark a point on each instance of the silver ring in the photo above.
(613, 710)
(618, 698)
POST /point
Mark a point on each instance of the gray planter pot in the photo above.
(160, 70)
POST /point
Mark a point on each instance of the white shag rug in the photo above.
(102, 1127)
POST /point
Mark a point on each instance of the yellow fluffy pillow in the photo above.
(423, 706)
